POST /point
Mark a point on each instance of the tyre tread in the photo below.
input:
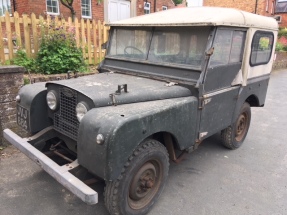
(111, 188)
(227, 135)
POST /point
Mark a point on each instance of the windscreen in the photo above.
(172, 45)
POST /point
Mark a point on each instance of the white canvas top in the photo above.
(201, 16)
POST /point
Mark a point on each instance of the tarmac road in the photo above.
(212, 180)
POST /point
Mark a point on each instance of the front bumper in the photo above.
(60, 173)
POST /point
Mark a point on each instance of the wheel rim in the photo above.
(241, 126)
(145, 184)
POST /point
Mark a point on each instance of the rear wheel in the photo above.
(233, 136)
(141, 181)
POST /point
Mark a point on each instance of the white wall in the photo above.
(194, 3)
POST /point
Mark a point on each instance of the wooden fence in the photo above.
(24, 32)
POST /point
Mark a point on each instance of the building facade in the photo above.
(104, 10)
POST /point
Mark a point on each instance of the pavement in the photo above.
(210, 181)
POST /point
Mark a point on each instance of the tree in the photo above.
(69, 4)
(176, 2)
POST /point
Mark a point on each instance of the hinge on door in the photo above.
(203, 101)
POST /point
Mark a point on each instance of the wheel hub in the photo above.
(143, 182)
(241, 127)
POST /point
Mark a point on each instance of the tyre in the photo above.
(141, 181)
(233, 136)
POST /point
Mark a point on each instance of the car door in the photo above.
(219, 95)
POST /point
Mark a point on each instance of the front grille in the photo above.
(65, 120)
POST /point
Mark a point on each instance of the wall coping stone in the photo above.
(11, 69)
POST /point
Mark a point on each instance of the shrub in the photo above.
(22, 59)
(282, 32)
(279, 47)
(281, 44)
(58, 52)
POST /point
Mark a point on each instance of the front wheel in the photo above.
(141, 181)
(233, 136)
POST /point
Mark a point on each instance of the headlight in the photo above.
(100, 139)
(81, 110)
(51, 100)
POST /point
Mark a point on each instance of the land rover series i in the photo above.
(168, 81)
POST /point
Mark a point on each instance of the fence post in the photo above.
(35, 34)
(9, 35)
(100, 40)
(106, 35)
(17, 29)
(89, 41)
(95, 42)
(77, 33)
(83, 41)
(27, 35)
(2, 53)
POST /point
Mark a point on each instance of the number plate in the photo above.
(23, 117)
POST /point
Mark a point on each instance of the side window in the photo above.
(236, 52)
(228, 47)
(261, 48)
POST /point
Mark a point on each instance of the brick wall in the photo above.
(250, 6)
(284, 21)
(159, 4)
(11, 79)
(39, 7)
(246, 5)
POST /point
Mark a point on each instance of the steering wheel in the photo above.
(132, 47)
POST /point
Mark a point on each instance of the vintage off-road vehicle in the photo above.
(169, 80)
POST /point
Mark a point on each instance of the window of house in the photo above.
(5, 5)
(86, 9)
(164, 7)
(261, 48)
(146, 8)
(228, 47)
(281, 6)
(53, 7)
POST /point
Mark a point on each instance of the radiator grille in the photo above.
(66, 120)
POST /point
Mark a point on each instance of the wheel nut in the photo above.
(149, 184)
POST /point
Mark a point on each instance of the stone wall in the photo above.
(280, 61)
(35, 78)
(11, 79)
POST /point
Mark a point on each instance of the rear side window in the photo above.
(261, 48)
